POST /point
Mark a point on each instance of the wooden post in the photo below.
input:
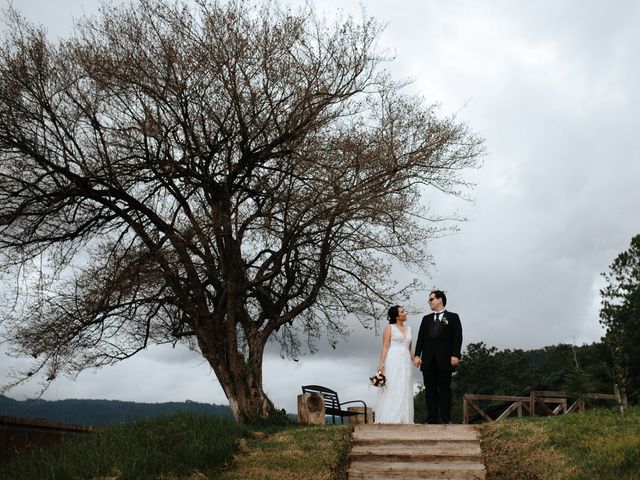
(532, 403)
(311, 409)
(465, 410)
(358, 419)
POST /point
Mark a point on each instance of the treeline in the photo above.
(101, 412)
(486, 370)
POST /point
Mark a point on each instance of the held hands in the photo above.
(417, 361)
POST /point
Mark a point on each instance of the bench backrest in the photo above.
(330, 396)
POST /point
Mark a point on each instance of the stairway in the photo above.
(434, 452)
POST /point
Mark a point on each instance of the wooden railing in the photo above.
(538, 402)
(19, 434)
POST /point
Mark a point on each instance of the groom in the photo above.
(437, 354)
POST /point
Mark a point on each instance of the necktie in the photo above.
(434, 326)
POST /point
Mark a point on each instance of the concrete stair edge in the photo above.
(439, 459)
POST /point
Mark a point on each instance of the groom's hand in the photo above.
(417, 361)
(455, 361)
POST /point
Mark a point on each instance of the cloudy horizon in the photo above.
(552, 88)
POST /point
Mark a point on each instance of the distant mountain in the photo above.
(101, 412)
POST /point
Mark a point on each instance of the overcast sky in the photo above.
(554, 88)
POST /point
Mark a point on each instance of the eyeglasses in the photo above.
(431, 299)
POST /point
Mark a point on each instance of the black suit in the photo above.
(436, 344)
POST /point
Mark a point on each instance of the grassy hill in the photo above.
(190, 447)
(599, 444)
(172, 447)
(102, 412)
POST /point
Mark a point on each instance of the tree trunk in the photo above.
(247, 399)
(241, 380)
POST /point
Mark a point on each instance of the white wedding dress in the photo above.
(395, 399)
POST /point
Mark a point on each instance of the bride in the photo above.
(395, 398)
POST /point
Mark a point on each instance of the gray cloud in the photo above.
(553, 87)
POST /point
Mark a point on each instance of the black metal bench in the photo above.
(332, 405)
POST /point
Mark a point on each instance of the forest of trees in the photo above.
(487, 370)
(101, 412)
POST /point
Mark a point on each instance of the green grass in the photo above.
(598, 444)
(191, 447)
(314, 452)
(601, 443)
(173, 447)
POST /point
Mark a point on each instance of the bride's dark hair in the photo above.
(392, 314)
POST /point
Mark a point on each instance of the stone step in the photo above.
(414, 452)
(381, 432)
(414, 470)
(433, 452)
(382, 442)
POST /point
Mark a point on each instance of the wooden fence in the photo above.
(539, 402)
(18, 434)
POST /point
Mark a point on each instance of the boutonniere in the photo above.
(445, 321)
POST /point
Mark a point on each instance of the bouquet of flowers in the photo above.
(378, 380)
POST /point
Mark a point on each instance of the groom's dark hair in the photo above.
(392, 314)
(439, 294)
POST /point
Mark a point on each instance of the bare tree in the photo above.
(219, 175)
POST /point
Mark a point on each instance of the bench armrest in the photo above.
(354, 401)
